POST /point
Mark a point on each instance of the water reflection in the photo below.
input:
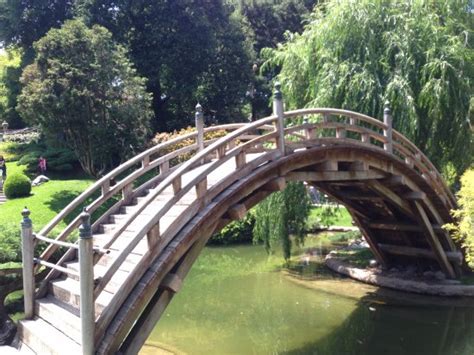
(233, 303)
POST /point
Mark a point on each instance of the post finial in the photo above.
(26, 212)
(386, 109)
(277, 93)
(26, 222)
(198, 107)
(85, 230)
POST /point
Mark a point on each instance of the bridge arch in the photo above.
(164, 204)
(382, 178)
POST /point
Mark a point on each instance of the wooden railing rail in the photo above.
(107, 191)
(204, 155)
(393, 141)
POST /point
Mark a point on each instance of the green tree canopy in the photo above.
(83, 89)
(189, 50)
(418, 55)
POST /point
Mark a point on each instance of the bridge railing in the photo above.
(117, 188)
(335, 126)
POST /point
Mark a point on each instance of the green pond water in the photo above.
(235, 302)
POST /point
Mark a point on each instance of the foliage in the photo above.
(235, 232)
(269, 21)
(83, 87)
(9, 60)
(279, 215)
(329, 215)
(189, 50)
(166, 136)
(463, 230)
(21, 24)
(17, 185)
(10, 244)
(418, 55)
(58, 159)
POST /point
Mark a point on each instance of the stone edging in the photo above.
(368, 276)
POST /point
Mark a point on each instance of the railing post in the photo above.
(86, 270)
(278, 111)
(27, 250)
(199, 118)
(387, 120)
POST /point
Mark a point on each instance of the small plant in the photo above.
(17, 185)
(463, 230)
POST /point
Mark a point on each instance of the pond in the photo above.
(235, 301)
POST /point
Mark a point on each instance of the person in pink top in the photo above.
(42, 165)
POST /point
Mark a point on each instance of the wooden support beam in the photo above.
(370, 238)
(392, 197)
(415, 195)
(433, 240)
(359, 210)
(455, 257)
(172, 282)
(334, 175)
(237, 212)
(153, 235)
(404, 227)
(328, 165)
(359, 166)
(395, 180)
(240, 160)
(176, 184)
(201, 188)
(362, 196)
(277, 184)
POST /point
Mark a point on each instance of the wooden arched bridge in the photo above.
(152, 216)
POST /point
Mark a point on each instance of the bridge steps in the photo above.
(67, 290)
(62, 315)
(42, 338)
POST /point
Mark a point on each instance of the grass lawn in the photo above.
(45, 200)
(329, 216)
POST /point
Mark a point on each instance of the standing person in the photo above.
(42, 165)
(3, 168)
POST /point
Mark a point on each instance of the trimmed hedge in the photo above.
(17, 185)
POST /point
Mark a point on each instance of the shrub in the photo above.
(235, 232)
(58, 159)
(166, 136)
(10, 243)
(17, 185)
(463, 230)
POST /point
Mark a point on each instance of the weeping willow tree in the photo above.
(281, 214)
(417, 54)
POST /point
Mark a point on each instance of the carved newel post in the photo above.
(387, 120)
(86, 270)
(27, 250)
(278, 111)
(199, 119)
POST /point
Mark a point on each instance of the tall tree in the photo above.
(418, 55)
(22, 22)
(188, 50)
(82, 88)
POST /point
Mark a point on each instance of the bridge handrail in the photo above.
(417, 156)
(111, 191)
(167, 182)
